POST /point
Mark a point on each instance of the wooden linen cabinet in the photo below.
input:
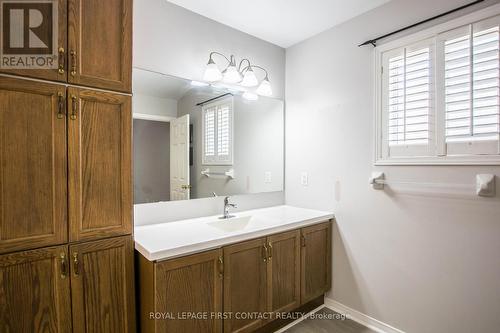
(65, 180)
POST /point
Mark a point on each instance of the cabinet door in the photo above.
(193, 285)
(59, 73)
(284, 271)
(35, 292)
(316, 261)
(33, 176)
(102, 286)
(100, 190)
(245, 284)
(100, 43)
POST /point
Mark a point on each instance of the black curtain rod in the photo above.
(374, 40)
(213, 99)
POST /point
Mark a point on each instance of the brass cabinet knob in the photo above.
(61, 61)
(64, 265)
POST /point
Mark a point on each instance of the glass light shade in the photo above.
(231, 75)
(212, 72)
(250, 96)
(265, 88)
(249, 79)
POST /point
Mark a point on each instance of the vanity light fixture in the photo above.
(241, 75)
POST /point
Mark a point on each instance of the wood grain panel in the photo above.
(245, 284)
(100, 34)
(33, 165)
(102, 286)
(34, 296)
(284, 271)
(100, 186)
(316, 261)
(50, 74)
(190, 284)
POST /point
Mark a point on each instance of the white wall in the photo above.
(423, 264)
(172, 40)
(153, 105)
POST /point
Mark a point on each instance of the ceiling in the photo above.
(281, 22)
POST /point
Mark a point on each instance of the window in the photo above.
(439, 97)
(217, 125)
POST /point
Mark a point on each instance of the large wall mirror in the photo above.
(193, 140)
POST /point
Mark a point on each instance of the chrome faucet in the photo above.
(226, 214)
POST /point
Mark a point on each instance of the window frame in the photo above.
(437, 144)
(216, 159)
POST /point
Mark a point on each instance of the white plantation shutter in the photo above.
(218, 132)
(223, 131)
(471, 88)
(439, 99)
(408, 99)
(209, 133)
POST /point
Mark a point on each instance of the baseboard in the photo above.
(295, 322)
(361, 318)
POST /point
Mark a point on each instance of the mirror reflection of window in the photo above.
(218, 132)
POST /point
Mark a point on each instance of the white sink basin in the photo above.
(231, 224)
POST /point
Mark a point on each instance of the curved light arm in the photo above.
(218, 53)
(245, 68)
(255, 66)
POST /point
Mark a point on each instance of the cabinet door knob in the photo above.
(74, 107)
(76, 264)
(64, 265)
(221, 267)
(73, 62)
(264, 253)
(60, 105)
(270, 246)
(61, 61)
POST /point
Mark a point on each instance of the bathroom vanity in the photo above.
(234, 275)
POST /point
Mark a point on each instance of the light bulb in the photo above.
(212, 72)
(250, 96)
(231, 74)
(265, 88)
(249, 79)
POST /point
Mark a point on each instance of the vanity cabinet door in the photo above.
(191, 284)
(284, 271)
(245, 284)
(100, 189)
(102, 286)
(58, 73)
(35, 292)
(316, 261)
(33, 165)
(100, 43)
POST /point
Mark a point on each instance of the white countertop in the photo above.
(174, 239)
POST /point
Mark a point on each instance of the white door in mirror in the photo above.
(179, 159)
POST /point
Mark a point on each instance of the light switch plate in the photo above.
(304, 179)
(267, 177)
